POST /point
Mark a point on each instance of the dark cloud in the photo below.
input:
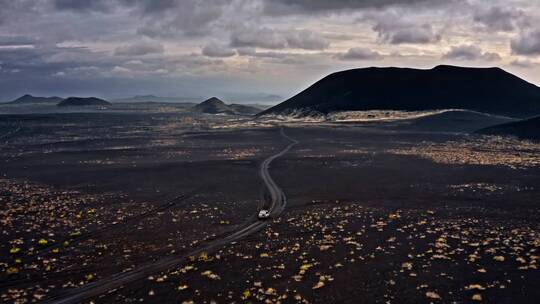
(9, 40)
(215, 50)
(153, 6)
(277, 57)
(284, 7)
(146, 6)
(360, 54)
(77, 5)
(254, 53)
(307, 40)
(32, 64)
(13, 10)
(63, 43)
(504, 19)
(470, 53)
(193, 18)
(139, 49)
(400, 32)
(527, 43)
(269, 39)
(527, 64)
(263, 38)
(164, 18)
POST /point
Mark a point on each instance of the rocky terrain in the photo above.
(375, 211)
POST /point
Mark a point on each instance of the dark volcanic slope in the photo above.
(452, 121)
(80, 101)
(216, 106)
(28, 99)
(525, 129)
(490, 90)
(243, 109)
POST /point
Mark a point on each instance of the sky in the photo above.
(249, 50)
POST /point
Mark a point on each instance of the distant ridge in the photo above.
(158, 99)
(29, 99)
(83, 101)
(490, 90)
(216, 106)
(524, 129)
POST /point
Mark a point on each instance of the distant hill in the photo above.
(215, 106)
(490, 90)
(524, 129)
(82, 101)
(158, 99)
(29, 99)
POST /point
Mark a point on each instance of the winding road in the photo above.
(277, 205)
(278, 199)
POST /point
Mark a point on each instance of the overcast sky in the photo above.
(249, 49)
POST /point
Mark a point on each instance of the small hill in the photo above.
(216, 106)
(524, 129)
(489, 90)
(212, 106)
(83, 101)
(29, 99)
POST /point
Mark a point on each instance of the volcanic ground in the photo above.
(375, 212)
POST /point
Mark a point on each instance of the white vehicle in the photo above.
(264, 214)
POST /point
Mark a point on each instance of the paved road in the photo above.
(277, 205)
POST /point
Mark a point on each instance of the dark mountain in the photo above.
(490, 90)
(29, 99)
(83, 101)
(216, 106)
(524, 129)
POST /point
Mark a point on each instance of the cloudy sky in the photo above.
(246, 50)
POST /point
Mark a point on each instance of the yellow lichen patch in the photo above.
(477, 297)
(475, 286)
(246, 294)
(75, 234)
(15, 250)
(209, 274)
(319, 284)
(432, 295)
(12, 270)
(203, 256)
(187, 268)
(499, 258)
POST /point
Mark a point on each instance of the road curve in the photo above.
(278, 199)
(277, 205)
